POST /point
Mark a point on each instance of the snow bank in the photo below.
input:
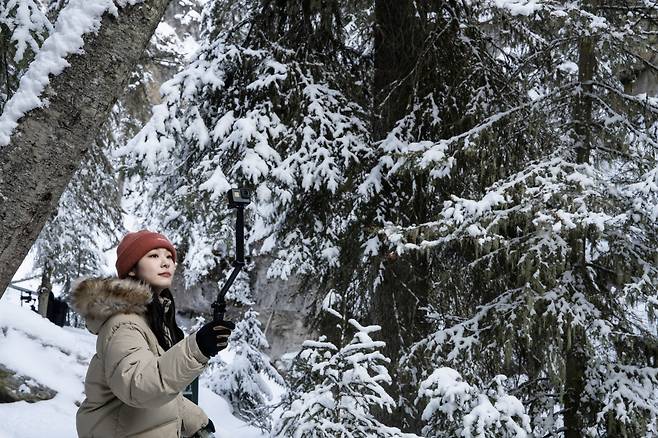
(58, 357)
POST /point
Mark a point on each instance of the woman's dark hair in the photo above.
(158, 320)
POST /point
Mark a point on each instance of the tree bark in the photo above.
(574, 383)
(49, 143)
(44, 290)
(575, 355)
(395, 56)
(583, 105)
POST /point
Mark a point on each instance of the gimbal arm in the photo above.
(238, 199)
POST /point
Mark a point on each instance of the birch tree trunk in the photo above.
(49, 143)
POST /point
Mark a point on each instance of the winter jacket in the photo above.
(133, 387)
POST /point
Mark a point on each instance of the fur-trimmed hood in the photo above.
(97, 299)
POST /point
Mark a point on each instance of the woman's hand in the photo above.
(213, 337)
(208, 431)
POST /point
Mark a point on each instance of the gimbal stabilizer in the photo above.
(238, 199)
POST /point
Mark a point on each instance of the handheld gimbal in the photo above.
(238, 199)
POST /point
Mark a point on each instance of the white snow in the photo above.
(519, 7)
(79, 17)
(27, 24)
(469, 409)
(58, 357)
(568, 67)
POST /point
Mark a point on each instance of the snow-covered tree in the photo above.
(455, 408)
(52, 117)
(242, 382)
(23, 28)
(476, 177)
(543, 265)
(89, 216)
(251, 110)
(336, 392)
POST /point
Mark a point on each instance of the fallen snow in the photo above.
(58, 357)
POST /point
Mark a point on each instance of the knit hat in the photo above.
(135, 245)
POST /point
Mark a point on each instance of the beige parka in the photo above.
(133, 387)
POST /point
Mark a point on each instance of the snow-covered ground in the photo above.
(57, 357)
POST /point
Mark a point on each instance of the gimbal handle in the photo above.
(238, 199)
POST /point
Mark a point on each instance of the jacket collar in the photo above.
(97, 299)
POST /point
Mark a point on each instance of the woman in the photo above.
(142, 362)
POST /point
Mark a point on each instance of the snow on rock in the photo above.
(79, 17)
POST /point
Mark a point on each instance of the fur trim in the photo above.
(100, 298)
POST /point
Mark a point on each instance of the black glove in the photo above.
(207, 431)
(213, 337)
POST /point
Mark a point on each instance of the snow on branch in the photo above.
(77, 19)
(27, 24)
(336, 390)
(627, 391)
(519, 7)
(456, 408)
(439, 156)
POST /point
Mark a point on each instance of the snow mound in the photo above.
(57, 357)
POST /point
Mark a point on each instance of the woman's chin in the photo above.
(161, 282)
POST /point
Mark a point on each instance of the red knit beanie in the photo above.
(135, 245)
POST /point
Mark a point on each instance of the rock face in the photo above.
(15, 388)
(195, 300)
(283, 309)
(282, 306)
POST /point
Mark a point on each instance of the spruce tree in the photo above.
(456, 408)
(336, 391)
(476, 177)
(90, 215)
(547, 273)
(263, 104)
(242, 382)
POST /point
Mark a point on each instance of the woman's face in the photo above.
(156, 268)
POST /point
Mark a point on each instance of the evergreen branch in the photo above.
(646, 102)
(486, 123)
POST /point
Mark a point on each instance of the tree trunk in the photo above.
(49, 143)
(399, 38)
(574, 383)
(575, 355)
(395, 56)
(44, 290)
(583, 106)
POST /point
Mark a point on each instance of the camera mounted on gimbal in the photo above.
(237, 198)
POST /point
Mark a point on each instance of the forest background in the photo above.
(474, 182)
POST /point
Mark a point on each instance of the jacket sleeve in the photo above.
(193, 417)
(140, 378)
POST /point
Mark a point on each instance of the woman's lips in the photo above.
(165, 275)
